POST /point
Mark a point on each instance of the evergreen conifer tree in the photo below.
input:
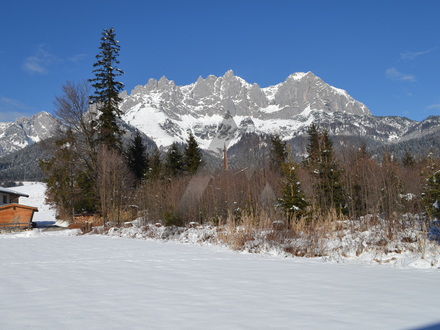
(313, 148)
(431, 196)
(358, 185)
(137, 157)
(155, 168)
(408, 159)
(193, 156)
(363, 152)
(86, 184)
(278, 153)
(323, 167)
(174, 160)
(391, 184)
(107, 89)
(61, 172)
(293, 199)
(330, 177)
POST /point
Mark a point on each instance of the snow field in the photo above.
(57, 280)
(48, 281)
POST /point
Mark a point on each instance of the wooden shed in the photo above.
(13, 214)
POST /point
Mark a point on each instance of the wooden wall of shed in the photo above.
(14, 213)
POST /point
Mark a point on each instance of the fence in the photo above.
(16, 225)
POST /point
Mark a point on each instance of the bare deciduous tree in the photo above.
(73, 110)
(115, 184)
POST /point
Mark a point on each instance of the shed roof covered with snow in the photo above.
(12, 192)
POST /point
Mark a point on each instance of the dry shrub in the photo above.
(234, 202)
(115, 185)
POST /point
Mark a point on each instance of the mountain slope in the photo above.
(26, 131)
(167, 112)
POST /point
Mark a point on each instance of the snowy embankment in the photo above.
(358, 247)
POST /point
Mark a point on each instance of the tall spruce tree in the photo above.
(193, 156)
(174, 160)
(278, 153)
(137, 157)
(107, 89)
(313, 148)
(155, 169)
(324, 169)
(330, 178)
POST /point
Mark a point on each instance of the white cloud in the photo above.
(4, 101)
(413, 55)
(8, 116)
(11, 109)
(433, 106)
(78, 58)
(40, 62)
(407, 92)
(394, 74)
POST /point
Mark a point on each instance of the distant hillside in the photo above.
(23, 165)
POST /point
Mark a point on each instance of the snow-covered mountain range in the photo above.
(26, 131)
(167, 113)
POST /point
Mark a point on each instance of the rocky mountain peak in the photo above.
(201, 89)
(26, 131)
(229, 75)
(175, 110)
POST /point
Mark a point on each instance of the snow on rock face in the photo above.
(25, 131)
(168, 113)
(214, 96)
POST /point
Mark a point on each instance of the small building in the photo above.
(13, 214)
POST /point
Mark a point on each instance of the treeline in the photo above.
(344, 185)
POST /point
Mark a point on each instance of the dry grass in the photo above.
(329, 236)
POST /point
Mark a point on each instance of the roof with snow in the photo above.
(12, 192)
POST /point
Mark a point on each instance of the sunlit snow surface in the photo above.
(53, 280)
(36, 198)
(99, 282)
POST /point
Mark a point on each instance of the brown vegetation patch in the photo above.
(86, 223)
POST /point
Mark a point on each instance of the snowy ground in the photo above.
(36, 190)
(57, 280)
(48, 281)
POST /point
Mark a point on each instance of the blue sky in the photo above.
(383, 53)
